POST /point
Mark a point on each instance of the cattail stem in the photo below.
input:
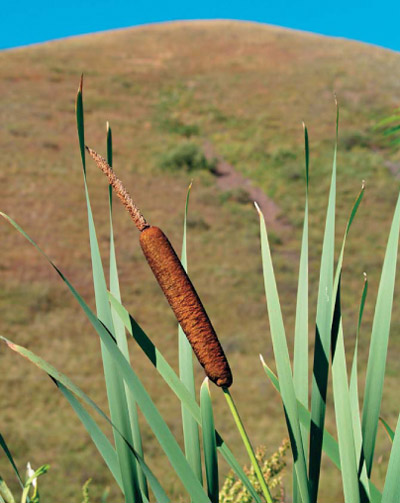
(120, 190)
(247, 444)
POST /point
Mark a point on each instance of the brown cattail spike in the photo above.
(176, 285)
(185, 303)
(120, 190)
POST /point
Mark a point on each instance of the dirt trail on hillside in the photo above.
(229, 179)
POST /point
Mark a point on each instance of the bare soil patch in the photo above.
(229, 179)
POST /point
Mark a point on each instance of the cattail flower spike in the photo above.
(176, 286)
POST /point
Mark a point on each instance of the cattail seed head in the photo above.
(186, 305)
(176, 286)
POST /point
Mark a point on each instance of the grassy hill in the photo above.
(244, 89)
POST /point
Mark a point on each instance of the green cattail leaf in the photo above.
(388, 429)
(344, 425)
(342, 401)
(109, 145)
(300, 354)
(355, 407)
(125, 371)
(282, 361)
(8, 454)
(329, 444)
(379, 343)
(209, 442)
(114, 384)
(176, 385)
(190, 428)
(120, 331)
(102, 443)
(59, 377)
(391, 489)
(322, 336)
(5, 493)
(80, 123)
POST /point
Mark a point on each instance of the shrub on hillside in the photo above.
(186, 156)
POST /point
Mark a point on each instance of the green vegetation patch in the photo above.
(186, 156)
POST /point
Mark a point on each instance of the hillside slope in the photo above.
(243, 89)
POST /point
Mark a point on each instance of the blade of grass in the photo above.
(379, 343)
(391, 489)
(282, 360)
(190, 428)
(125, 371)
(300, 354)
(59, 377)
(114, 384)
(209, 442)
(322, 335)
(120, 329)
(176, 385)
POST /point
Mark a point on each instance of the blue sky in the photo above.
(23, 22)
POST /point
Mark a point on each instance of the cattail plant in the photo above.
(176, 286)
(353, 451)
(185, 303)
(125, 391)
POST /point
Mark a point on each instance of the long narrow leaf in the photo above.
(388, 429)
(343, 406)
(190, 428)
(322, 336)
(300, 358)
(379, 343)
(283, 363)
(120, 329)
(329, 445)
(8, 454)
(347, 450)
(6, 496)
(391, 489)
(300, 355)
(114, 384)
(209, 442)
(355, 406)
